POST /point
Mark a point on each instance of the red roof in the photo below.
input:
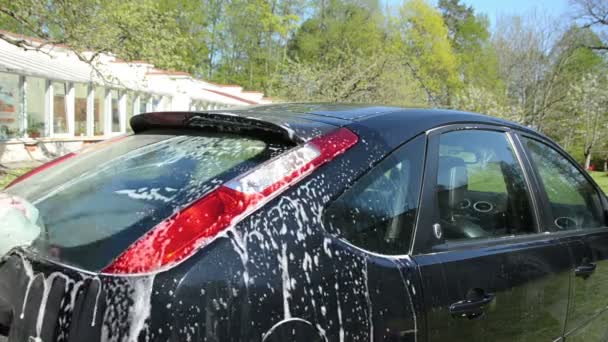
(168, 72)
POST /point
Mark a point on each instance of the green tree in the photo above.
(254, 41)
(470, 37)
(589, 99)
(193, 20)
(348, 77)
(338, 54)
(426, 51)
(338, 25)
(131, 29)
(593, 14)
(568, 63)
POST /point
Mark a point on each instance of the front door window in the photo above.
(481, 190)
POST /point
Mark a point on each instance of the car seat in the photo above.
(452, 187)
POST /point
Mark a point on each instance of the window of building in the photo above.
(60, 108)
(167, 103)
(130, 109)
(10, 106)
(35, 102)
(115, 110)
(481, 189)
(574, 201)
(379, 212)
(99, 111)
(156, 102)
(80, 113)
(143, 103)
(201, 105)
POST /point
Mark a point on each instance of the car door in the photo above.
(501, 278)
(576, 213)
(373, 221)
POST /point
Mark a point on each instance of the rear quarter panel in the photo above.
(282, 264)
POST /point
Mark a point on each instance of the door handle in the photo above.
(585, 270)
(471, 308)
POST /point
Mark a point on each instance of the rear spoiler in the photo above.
(221, 121)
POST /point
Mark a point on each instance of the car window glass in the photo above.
(107, 197)
(574, 201)
(481, 190)
(378, 212)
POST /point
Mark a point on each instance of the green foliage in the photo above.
(470, 37)
(338, 26)
(192, 20)
(544, 73)
(139, 30)
(426, 50)
(255, 38)
(601, 178)
(7, 176)
(353, 79)
(131, 29)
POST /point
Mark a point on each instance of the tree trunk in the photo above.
(606, 165)
(587, 160)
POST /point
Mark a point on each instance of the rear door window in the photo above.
(93, 206)
(575, 202)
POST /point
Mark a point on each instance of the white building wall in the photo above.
(30, 108)
(181, 102)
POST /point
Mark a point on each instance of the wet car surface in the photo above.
(307, 222)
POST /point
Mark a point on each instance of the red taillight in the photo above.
(177, 237)
(40, 169)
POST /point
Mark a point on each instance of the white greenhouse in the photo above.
(51, 102)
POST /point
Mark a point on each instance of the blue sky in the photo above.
(495, 8)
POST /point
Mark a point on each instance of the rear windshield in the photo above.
(93, 206)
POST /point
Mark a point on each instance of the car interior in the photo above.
(373, 214)
(496, 206)
(574, 202)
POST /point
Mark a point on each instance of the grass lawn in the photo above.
(8, 176)
(601, 178)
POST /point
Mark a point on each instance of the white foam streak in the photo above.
(142, 306)
(284, 264)
(369, 302)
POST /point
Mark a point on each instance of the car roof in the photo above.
(339, 111)
(347, 113)
(393, 124)
(303, 121)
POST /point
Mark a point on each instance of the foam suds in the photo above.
(142, 307)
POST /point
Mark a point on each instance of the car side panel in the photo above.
(588, 247)
(530, 282)
(587, 314)
(528, 277)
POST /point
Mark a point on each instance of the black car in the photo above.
(307, 222)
